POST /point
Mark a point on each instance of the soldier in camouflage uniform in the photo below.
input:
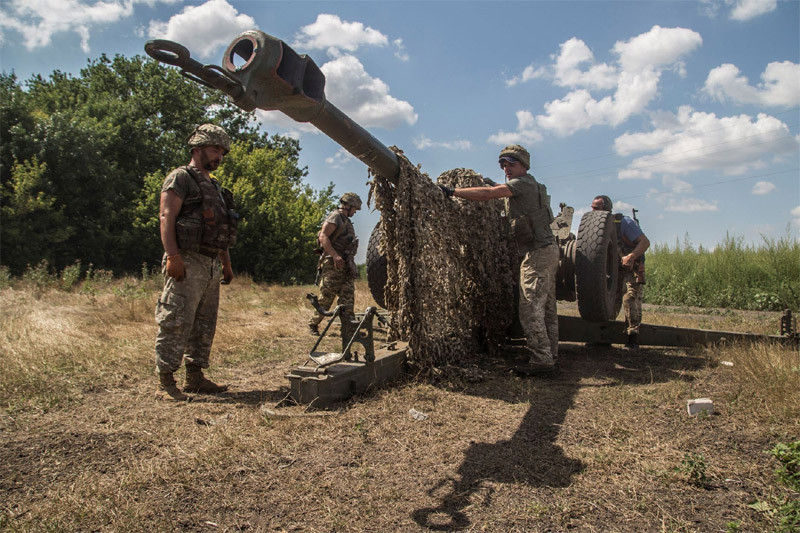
(337, 266)
(198, 224)
(632, 244)
(530, 216)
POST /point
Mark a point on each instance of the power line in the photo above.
(656, 145)
(717, 183)
(572, 177)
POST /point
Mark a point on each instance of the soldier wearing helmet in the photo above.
(529, 213)
(632, 244)
(337, 267)
(198, 226)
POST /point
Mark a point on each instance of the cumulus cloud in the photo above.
(400, 50)
(423, 142)
(39, 20)
(690, 205)
(635, 78)
(526, 132)
(340, 158)
(780, 85)
(203, 29)
(275, 120)
(331, 33)
(747, 9)
(364, 98)
(796, 216)
(763, 187)
(694, 141)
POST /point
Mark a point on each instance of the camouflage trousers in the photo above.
(334, 282)
(537, 302)
(632, 302)
(186, 313)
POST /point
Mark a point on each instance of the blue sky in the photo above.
(687, 111)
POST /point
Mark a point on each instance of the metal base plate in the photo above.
(340, 381)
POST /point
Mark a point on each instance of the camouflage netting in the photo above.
(450, 291)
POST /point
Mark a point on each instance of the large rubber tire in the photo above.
(597, 267)
(376, 268)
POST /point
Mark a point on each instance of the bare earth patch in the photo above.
(598, 446)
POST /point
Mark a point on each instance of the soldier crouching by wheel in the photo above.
(198, 225)
(337, 267)
(632, 244)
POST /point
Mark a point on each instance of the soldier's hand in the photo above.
(175, 268)
(627, 261)
(489, 182)
(227, 273)
(448, 192)
(338, 262)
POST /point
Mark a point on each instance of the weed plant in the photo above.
(732, 275)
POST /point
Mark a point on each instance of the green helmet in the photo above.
(209, 135)
(519, 153)
(351, 198)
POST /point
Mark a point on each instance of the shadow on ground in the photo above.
(531, 455)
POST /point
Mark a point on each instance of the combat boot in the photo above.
(169, 386)
(633, 342)
(197, 382)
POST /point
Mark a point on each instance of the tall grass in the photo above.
(732, 275)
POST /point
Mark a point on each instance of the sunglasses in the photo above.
(507, 161)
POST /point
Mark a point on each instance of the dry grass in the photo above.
(88, 444)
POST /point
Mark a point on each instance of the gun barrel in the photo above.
(261, 71)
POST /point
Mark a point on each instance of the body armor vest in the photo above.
(208, 219)
(526, 227)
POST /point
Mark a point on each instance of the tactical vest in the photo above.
(343, 239)
(531, 229)
(208, 219)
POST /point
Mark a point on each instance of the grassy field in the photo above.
(605, 444)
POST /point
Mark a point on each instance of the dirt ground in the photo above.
(603, 444)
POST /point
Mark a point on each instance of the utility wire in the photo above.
(716, 183)
(656, 145)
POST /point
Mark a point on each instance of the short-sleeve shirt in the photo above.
(345, 235)
(181, 183)
(629, 229)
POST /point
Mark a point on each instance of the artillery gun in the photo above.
(261, 71)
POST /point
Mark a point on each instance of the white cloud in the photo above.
(276, 120)
(747, 9)
(690, 205)
(796, 216)
(400, 52)
(763, 187)
(574, 53)
(422, 143)
(635, 77)
(39, 20)
(525, 134)
(780, 85)
(364, 98)
(694, 141)
(340, 158)
(203, 29)
(331, 33)
(529, 73)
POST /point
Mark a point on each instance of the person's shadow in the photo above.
(531, 455)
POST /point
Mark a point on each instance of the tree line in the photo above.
(82, 160)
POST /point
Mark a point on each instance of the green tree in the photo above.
(280, 215)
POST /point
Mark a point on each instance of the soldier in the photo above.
(632, 244)
(337, 266)
(198, 225)
(530, 216)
